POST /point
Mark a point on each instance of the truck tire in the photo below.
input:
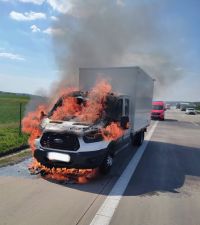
(106, 165)
(138, 139)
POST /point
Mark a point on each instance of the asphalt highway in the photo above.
(163, 190)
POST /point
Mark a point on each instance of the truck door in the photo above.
(126, 113)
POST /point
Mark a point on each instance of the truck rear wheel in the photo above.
(138, 139)
(106, 165)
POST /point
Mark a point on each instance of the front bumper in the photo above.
(79, 160)
(161, 116)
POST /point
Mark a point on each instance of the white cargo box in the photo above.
(131, 81)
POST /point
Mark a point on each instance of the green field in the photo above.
(9, 121)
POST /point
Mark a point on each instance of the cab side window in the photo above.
(119, 108)
(126, 107)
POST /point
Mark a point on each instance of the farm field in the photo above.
(9, 121)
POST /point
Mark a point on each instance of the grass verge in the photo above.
(10, 136)
(15, 158)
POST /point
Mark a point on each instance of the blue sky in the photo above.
(27, 62)
(26, 57)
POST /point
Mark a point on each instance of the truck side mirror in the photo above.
(42, 115)
(124, 122)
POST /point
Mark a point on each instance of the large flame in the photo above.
(89, 112)
(63, 175)
(69, 108)
(112, 132)
(96, 98)
(31, 125)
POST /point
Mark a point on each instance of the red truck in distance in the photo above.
(158, 110)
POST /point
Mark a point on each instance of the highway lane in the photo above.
(176, 114)
(163, 190)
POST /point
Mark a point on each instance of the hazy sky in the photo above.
(27, 62)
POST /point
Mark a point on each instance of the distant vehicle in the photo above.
(168, 106)
(178, 106)
(158, 110)
(190, 111)
(184, 106)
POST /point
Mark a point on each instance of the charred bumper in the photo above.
(78, 160)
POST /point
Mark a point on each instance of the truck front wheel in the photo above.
(106, 164)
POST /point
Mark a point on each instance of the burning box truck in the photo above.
(74, 142)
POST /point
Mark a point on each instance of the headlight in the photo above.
(93, 136)
(37, 143)
(44, 123)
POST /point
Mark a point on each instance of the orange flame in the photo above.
(69, 108)
(80, 176)
(31, 124)
(112, 132)
(94, 107)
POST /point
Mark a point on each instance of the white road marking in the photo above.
(107, 209)
(195, 124)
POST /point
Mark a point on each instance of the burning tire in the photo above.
(106, 165)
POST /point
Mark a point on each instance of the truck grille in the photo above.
(155, 114)
(63, 141)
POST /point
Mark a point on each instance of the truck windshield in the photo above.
(157, 107)
(112, 111)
